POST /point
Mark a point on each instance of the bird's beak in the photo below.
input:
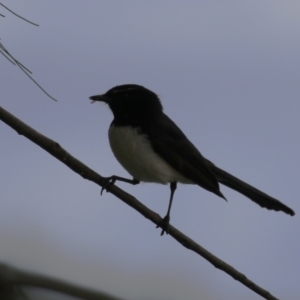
(102, 98)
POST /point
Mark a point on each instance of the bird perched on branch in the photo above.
(152, 148)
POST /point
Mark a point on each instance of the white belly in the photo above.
(135, 154)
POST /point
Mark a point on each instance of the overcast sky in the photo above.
(227, 73)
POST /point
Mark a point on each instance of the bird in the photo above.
(152, 148)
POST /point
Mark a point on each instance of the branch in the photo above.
(12, 277)
(17, 15)
(14, 61)
(74, 164)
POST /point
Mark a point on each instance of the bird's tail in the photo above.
(249, 191)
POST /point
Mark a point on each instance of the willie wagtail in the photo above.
(151, 147)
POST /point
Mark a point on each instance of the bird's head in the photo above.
(131, 101)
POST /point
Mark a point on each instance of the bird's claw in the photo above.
(109, 181)
(164, 225)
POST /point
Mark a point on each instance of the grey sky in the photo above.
(227, 73)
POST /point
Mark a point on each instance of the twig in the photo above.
(14, 277)
(14, 61)
(18, 15)
(10, 58)
(5, 52)
(74, 164)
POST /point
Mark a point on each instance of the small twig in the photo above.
(37, 83)
(14, 61)
(18, 15)
(74, 164)
(3, 52)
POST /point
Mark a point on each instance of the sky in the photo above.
(227, 72)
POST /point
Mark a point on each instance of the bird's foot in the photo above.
(108, 182)
(164, 225)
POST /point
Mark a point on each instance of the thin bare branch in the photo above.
(74, 164)
(5, 52)
(13, 277)
(5, 55)
(14, 61)
(36, 83)
(18, 15)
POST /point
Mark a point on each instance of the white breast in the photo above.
(134, 152)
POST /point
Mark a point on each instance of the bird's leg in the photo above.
(109, 181)
(165, 223)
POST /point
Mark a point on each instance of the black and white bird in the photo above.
(151, 147)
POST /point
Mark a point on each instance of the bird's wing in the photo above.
(172, 145)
